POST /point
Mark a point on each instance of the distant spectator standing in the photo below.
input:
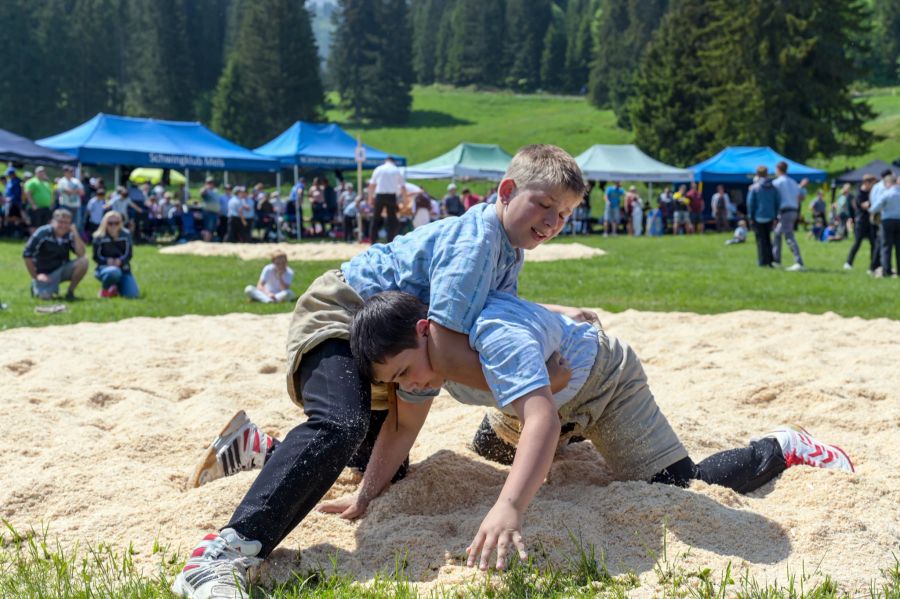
(634, 206)
(762, 208)
(665, 202)
(113, 250)
(888, 206)
(70, 192)
(12, 211)
(274, 283)
(452, 205)
(386, 184)
(39, 195)
(248, 212)
(46, 256)
(96, 207)
(224, 198)
(421, 210)
(874, 195)
(720, 202)
(789, 198)
(680, 212)
(611, 214)
(843, 208)
(820, 219)
(209, 199)
(470, 199)
(696, 205)
(235, 232)
(862, 222)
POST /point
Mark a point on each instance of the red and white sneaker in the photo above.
(799, 447)
(217, 568)
(240, 446)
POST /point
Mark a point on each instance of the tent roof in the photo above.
(737, 164)
(320, 145)
(111, 139)
(21, 149)
(476, 161)
(614, 162)
(876, 167)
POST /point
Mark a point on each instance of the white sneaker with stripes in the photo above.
(239, 446)
(799, 447)
(217, 568)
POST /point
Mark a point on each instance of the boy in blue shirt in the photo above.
(452, 265)
(607, 401)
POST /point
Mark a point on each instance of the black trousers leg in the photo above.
(860, 232)
(763, 233)
(310, 458)
(744, 469)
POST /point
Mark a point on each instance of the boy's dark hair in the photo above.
(384, 327)
(782, 167)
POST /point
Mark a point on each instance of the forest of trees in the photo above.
(686, 75)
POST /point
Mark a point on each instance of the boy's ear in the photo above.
(422, 326)
(506, 190)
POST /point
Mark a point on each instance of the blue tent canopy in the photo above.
(738, 164)
(320, 145)
(20, 149)
(111, 139)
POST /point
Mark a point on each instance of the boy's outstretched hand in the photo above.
(500, 529)
(349, 507)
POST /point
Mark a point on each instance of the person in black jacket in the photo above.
(112, 253)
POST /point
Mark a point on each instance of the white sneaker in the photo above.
(848, 266)
(217, 568)
(240, 446)
(799, 447)
(776, 265)
(796, 268)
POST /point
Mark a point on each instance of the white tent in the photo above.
(626, 163)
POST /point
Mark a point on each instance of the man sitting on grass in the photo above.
(607, 401)
(46, 257)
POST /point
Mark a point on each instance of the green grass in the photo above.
(34, 565)
(692, 274)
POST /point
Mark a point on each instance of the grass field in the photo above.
(693, 274)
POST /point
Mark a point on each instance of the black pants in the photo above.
(384, 201)
(743, 469)
(763, 233)
(890, 241)
(862, 230)
(340, 431)
(235, 230)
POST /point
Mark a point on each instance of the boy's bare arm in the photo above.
(502, 526)
(391, 448)
(451, 355)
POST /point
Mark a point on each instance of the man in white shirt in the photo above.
(70, 192)
(385, 185)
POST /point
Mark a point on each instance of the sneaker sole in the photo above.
(208, 461)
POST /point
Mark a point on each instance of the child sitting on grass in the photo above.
(274, 283)
(740, 233)
(607, 400)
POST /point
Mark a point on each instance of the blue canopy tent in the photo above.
(738, 164)
(117, 140)
(15, 148)
(321, 145)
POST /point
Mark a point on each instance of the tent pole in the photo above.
(278, 217)
(78, 170)
(187, 185)
(296, 174)
(117, 176)
(649, 206)
(226, 178)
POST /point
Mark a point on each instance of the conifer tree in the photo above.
(272, 76)
(670, 87)
(526, 25)
(426, 22)
(371, 59)
(579, 43)
(553, 57)
(473, 55)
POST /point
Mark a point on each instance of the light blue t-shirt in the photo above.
(450, 264)
(614, 194)
(234, 207)
(887, 203)
(514, 338)
(788, 192)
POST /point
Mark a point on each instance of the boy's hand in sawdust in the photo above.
(349, 507)
(500, 529)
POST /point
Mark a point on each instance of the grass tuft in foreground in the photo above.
(32, 566)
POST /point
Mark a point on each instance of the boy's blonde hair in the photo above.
(546, 166)
(277, 254)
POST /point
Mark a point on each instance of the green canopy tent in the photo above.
(467, 160)
(627, 163)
